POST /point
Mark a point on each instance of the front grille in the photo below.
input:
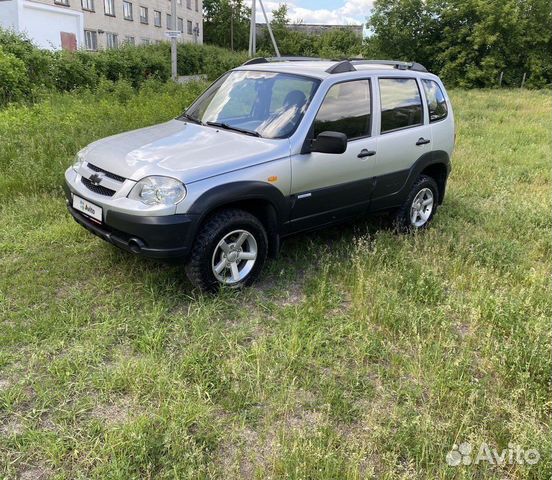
(97, 188)
(106, 173)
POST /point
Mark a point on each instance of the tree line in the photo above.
(469, 43)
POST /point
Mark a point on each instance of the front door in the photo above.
(327, 186)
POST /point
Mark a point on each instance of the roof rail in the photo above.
(257, 60)
(342, 66)
(418, 67)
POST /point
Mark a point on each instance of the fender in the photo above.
(235, 192)
(382, 200)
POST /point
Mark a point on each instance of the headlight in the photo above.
(158, 191)
(79, 160)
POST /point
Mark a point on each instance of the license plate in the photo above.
(87, 208)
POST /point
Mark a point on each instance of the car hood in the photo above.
(182, 150)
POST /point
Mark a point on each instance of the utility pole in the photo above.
(232, 25)
(173, 40)
(252, 32)
(269, 29)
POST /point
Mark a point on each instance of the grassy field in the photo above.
(360, 354)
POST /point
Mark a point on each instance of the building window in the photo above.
(197, 5)
(65, 3)
(143, 15)
(87, 5)
(189, 4)
(157, 18)
(169, 22)
(127, 10)
(111, 40)
(129, 40)
(109, 7)
(145, 41)
(91, 40)
(180, 25)
(189, 27)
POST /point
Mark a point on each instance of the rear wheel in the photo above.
(230, 250)
(420, 205)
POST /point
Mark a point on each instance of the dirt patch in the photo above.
(246, 452)
(35, 473)
(464, 330)
(12, 426)
(286, 295)
(305, 420)
(4, 384)
(113, 413)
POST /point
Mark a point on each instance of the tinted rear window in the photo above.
(436, 103)
(401, 104)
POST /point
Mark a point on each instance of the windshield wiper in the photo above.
(192, 119)
(236, 129)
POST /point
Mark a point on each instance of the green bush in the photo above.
(134, 64)
(14, 83)
(73, 70)
(207, 59)
(27, 71)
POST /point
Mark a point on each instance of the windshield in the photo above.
(264, 104)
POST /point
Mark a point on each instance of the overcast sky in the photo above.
(322, 11)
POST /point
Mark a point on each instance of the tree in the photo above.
(226, 23)
(467, 42)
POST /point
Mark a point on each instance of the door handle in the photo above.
(366, 153)
(422, 141)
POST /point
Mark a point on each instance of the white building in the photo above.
(47, 25)
(97, 24)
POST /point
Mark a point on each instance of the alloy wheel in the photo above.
(234, 257)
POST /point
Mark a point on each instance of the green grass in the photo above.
(359, 354)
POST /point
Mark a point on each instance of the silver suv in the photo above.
(270, 149)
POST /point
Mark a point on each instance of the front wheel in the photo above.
(420, 205)
(230, 250)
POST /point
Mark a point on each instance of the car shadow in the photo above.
(296, 252)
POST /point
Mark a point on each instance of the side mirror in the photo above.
(329, 142)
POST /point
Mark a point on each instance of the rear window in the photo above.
(436, 103)
(401, 104)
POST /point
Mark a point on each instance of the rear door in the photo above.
(404, 136)
(327, 186)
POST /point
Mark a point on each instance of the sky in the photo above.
(339, 12)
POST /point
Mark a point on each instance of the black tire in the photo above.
(403, 221)
(199, 268)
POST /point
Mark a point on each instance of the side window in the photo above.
(347, 109)
(436, 103)
(401, 104)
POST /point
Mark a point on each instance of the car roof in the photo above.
(321, 69)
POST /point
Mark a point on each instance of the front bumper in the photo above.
(161, 237)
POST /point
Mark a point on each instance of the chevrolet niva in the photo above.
(270, 149)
